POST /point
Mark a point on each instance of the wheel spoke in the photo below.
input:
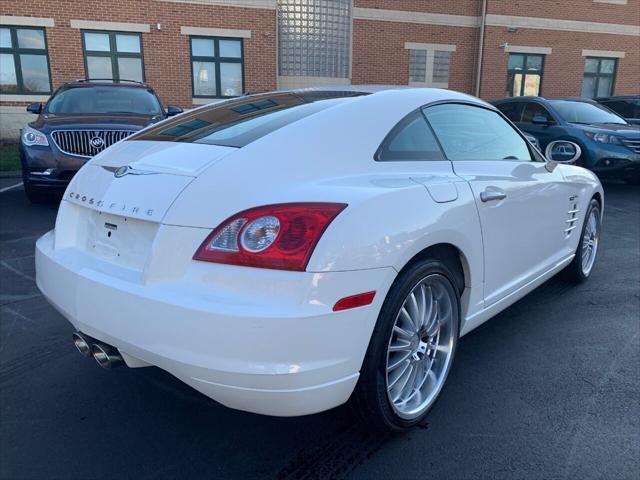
(408, 319)
(403, 383)
(401, 332)
(398, 376)
(400, 347)
(423, 306)
(398, 362)
(413, 311)
(409, 385)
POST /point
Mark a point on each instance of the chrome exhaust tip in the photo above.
(82, 344)
(107, 357)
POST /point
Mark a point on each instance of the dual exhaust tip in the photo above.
(106, 355)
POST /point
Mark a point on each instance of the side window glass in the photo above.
(511, 110)
(474, 133)
(411, 139)
(533, 109)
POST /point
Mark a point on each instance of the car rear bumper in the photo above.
(289, 356)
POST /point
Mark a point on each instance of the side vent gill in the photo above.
(572, 221)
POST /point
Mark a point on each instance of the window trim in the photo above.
(535, 155)
(16, 51)
(216, 60)
(112, 54)
(599, 74)
(524, 63)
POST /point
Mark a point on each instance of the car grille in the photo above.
(632, 144)
(87, 143)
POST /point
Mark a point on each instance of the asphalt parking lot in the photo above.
(550, 388)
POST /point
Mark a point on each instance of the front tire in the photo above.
(411, 349)
(580, 268)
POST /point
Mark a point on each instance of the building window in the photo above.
(599, 77)
(429, 64)
(216, 65)
(24, 63)
(113, 55)
(524, 74)
(314, 38)
(417, 66)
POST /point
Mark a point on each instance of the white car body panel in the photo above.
(268, 341)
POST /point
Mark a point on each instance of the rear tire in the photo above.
(411, 349)
(580, 268)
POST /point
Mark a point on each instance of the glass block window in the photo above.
(24, 61)
(599, 76)
(418, 66)
(314, 38)
(441, 66)
(113, 55)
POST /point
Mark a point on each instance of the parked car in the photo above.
(627, 106)
(81, 119)
(610, 146)
(285, 252)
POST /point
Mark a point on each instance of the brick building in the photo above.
(196, 51)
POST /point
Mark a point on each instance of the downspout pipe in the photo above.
(483, 21)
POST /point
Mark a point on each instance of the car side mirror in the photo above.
(173, 110)
(562, 151)
(540, 120)
(35, 108)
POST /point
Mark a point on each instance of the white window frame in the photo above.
(431, 49)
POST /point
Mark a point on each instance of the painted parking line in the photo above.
(10, 187)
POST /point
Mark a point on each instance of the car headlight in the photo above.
(604, 138)
(31, 136)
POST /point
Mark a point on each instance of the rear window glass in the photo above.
(241, 121)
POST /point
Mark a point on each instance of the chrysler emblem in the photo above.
(127, 170)
(96, 142)
(122, 171)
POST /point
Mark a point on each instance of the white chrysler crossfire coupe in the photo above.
(285, 252)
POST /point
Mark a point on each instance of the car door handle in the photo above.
(492, 195)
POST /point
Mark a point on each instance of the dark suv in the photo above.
(610, 146)
(81, 119)
(627, 106)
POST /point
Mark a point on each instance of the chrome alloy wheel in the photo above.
(590, 241)
(421, 346)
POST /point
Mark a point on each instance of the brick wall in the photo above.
(582, 10)
(378, 53)
(379, 56)
(166, 52)
(564, 67)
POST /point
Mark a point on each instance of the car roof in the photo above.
(618, 97)
(531, 98)
(420, 95)
(80, 83)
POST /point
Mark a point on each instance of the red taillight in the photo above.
(354, 301)
(280, 236)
